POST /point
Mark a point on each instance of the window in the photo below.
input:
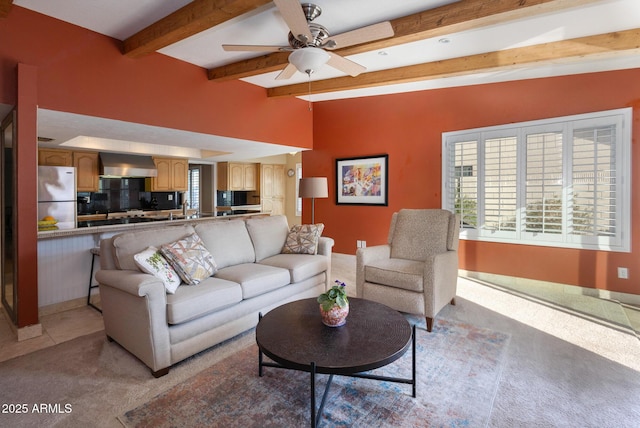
(298, 199)
(558, 182)
(193, 194)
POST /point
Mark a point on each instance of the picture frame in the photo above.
(362, 180)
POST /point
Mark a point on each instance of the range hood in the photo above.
(125, 165)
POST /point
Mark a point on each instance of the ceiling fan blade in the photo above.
(345, 65)
(288, 71)
(253, 48)
(366, 34)
(293, 15)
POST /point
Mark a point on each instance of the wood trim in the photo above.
(601, 45)
(191, 19)
(5, 8)
(459, 16)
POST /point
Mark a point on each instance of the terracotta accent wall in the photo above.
(409, 128)
(83, 72)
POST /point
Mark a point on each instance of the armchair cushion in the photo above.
(420, 233)
(398, 273)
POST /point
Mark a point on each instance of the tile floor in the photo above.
(67, 325)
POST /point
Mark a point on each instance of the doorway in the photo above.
(7, 192)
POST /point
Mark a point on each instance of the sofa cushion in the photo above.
(268, 235)
(303, 239)
(255, 279)
(399, 273)
(153, 262)
(227, 241)
(128, 244)
(212, 294)
(190, 259)
(300, 266)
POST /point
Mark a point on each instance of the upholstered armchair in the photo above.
(417, 270)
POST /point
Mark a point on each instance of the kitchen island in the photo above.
(64, 258)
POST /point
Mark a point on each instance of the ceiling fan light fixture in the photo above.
(308, 60)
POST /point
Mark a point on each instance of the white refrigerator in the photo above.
(57, 195)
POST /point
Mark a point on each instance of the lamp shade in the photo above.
(310, 59)
(313, 187)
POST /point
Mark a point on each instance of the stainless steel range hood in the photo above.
(125, 165)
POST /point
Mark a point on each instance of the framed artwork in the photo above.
(362, 181)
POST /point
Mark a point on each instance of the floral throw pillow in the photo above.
(190, 259)
(303, 239)
(152, 262)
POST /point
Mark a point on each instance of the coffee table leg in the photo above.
(413, 359)
(259, 351)
(313, 395)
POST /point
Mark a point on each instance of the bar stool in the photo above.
(94, 252)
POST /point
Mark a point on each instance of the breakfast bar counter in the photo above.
(64, 258)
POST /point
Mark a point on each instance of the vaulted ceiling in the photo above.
(465, 41)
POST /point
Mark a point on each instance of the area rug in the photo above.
(458, 370)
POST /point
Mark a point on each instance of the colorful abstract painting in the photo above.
(362, 180)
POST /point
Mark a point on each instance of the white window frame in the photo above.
(620, 241)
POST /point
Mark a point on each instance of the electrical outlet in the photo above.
(623, 273)
(358, 243)
(363, 244)
(170, 197)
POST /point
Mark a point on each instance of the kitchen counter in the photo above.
(98, 225)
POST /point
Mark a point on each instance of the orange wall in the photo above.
(84, 72)
(409, 128)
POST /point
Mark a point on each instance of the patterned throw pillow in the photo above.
(190, 259)
(303, 239)
(151, 261)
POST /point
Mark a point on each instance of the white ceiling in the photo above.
(123, 18)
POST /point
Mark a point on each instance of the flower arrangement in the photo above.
(336, 296)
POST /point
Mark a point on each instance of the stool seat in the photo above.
(95, 251)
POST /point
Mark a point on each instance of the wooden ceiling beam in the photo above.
(193, 18)
(598, 46)
(5, 7)
(459, 16)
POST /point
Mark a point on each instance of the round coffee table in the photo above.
(293, 336)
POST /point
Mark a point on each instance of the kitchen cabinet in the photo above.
(87, 171)
(272, 188)
(55, 157)
(172, 175)
(238, 176)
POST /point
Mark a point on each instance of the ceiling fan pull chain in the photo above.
(309, 99)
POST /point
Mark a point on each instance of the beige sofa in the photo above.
(253, 276)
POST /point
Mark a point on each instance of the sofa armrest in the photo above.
(325, 246)
(135, 283)
(365, 256)
(134, 310)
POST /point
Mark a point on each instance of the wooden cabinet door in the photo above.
(87, 171)
(250, 176)
(266, 185)
(55, 157)
(180, 173)
(236, 176)
(279, 185)
(162, 183)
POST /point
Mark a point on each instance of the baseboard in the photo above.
(66, 305)
(507, 281)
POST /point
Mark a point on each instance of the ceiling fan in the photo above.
(311, 44)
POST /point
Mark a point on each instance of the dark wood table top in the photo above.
(293, 335)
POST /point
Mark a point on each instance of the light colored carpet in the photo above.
(559, 369)
(458, 369)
